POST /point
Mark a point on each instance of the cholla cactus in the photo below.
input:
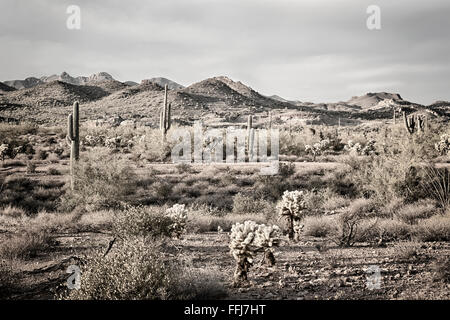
(246, 240)
(178, 213)
(359, 149)
(443, 146)
(93, 141)
(293, 207)
(317, 148)
(3, 151)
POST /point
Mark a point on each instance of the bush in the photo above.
(320, 227)
(31, 167)
(436, 228)
(244, 204)
(133, 269)
(99, 185)
(412, 213)
(53, 172)
(25, 245)
(142, 221)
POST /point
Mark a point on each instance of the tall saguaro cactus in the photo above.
(415, 123)
(165, 116)
(73, 140)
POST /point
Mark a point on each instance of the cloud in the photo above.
(310, 50)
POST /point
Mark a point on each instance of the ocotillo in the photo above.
(165, 116)
(73, 140)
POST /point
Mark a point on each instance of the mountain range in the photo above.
(218, 100)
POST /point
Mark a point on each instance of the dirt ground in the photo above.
(310, 269)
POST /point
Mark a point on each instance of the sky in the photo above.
(307, 50)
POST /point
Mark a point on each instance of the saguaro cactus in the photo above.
(165, 116)
(415, 123)
(73, 140)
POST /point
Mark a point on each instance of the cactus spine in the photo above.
(165, 120)
(73, 140)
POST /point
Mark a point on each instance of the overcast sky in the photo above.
(310, 50)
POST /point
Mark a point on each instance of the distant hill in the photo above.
(370, 100)
(5, 88)
(24, 84)
(63, 77)
(55, 93)
(217, 101)
(172, 85)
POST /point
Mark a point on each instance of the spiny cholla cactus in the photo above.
(118, 142)
(317, 148)
(246, 240)
(359, 149)
(3, 151)
(443, 146)
(293, 207)
(93, 141)
(178, 213)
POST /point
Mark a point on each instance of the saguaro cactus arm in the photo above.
(409, 123)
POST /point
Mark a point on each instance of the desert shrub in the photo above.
(348, 222)
(42, 154)
(286, 169)
(12, 211)
(392, 174)
(335, 202)
(271, 187)
(53, 172)
(381, 230)
(99, 185)
(31, 167)
(243, 204)
(413, 212)
(162, 190)
(203, 220)
(142, 221)
(405, 251)
(436, 228)
(8, 279)
(25, 245)
(441, 268)
(436, 184)
(22, 192)
(183, 168)
(319, 226)
(246, 240)
(133, 269)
